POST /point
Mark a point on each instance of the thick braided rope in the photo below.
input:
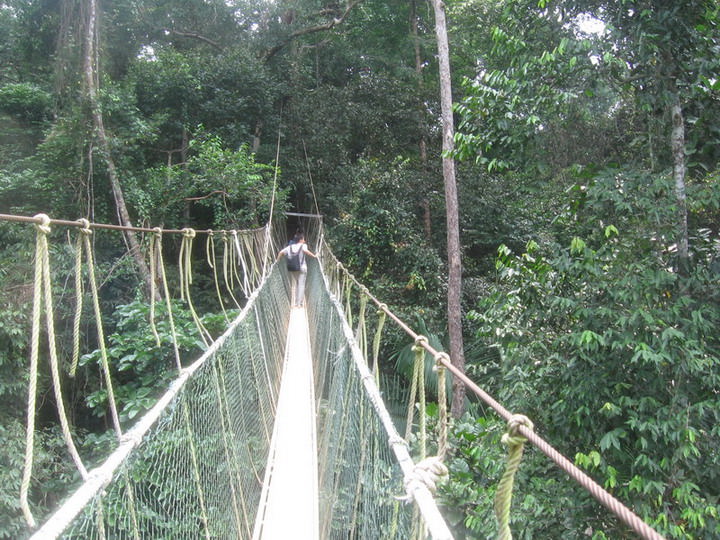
(153, 292)
(361, 334)
(43, 292)
(42, 230)
(157, 232)
(227, 277)
(78, 306)
(210, 256)
(442, 427)
(245, 281)
(376, 345)
(411, 398)
(85, 233)
(54, 361)
(503, 496)
(419, 350)
(186, 280)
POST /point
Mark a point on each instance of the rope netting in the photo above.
(193, 466)
(195, 463)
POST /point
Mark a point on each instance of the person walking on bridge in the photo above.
(297, 266)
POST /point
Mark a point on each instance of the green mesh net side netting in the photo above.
(359, 477)
(198, 471)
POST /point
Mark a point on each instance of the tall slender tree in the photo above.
(454, 303)
(91, 76)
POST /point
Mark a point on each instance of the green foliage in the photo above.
(377, 236)
(25, 101)
(221, 188)
(612, 341)
(141, 368)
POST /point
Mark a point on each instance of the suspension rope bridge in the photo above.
(279, 429)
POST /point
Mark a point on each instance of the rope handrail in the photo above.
(108, 226)
(625, 514)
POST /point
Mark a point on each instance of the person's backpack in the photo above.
(294, 258)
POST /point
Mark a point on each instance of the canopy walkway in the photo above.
(279, 429)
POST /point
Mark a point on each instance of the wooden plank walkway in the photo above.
(289, 502)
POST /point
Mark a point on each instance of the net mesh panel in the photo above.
(198, 473)
(359, 477)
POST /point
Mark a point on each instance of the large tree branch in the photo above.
(328, 25)
(197, 36)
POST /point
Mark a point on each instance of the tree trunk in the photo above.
(422, 144)
(457, 354)
(90, 62)
(678, 150)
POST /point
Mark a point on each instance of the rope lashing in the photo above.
(429, 472)
(503, 496)
(442, 427)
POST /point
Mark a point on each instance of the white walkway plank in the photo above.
(289, 504)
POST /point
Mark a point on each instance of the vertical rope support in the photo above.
(85, 233)
(422, 417)
(186, 281)
(210, 256)
(153, 292)
(347, 289)
(237, 257)
(245, 281)
(376, 342)
(503, 496)
(79, 291)
(43, 292)
(361, 334)
(157, 232)
(410, 417)
(442, 427)
(227, 276)
(40, 242)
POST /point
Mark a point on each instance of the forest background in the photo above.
(587, 167)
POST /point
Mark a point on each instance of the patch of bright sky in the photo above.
(587, 24)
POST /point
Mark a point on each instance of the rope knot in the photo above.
(441, 359)
(428, 472)
(512, 437)
(85, 226)
(419, 342)
(157, 231)
(44, 225)
(188, 232)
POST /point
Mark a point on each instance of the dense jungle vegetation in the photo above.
(587, 147)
